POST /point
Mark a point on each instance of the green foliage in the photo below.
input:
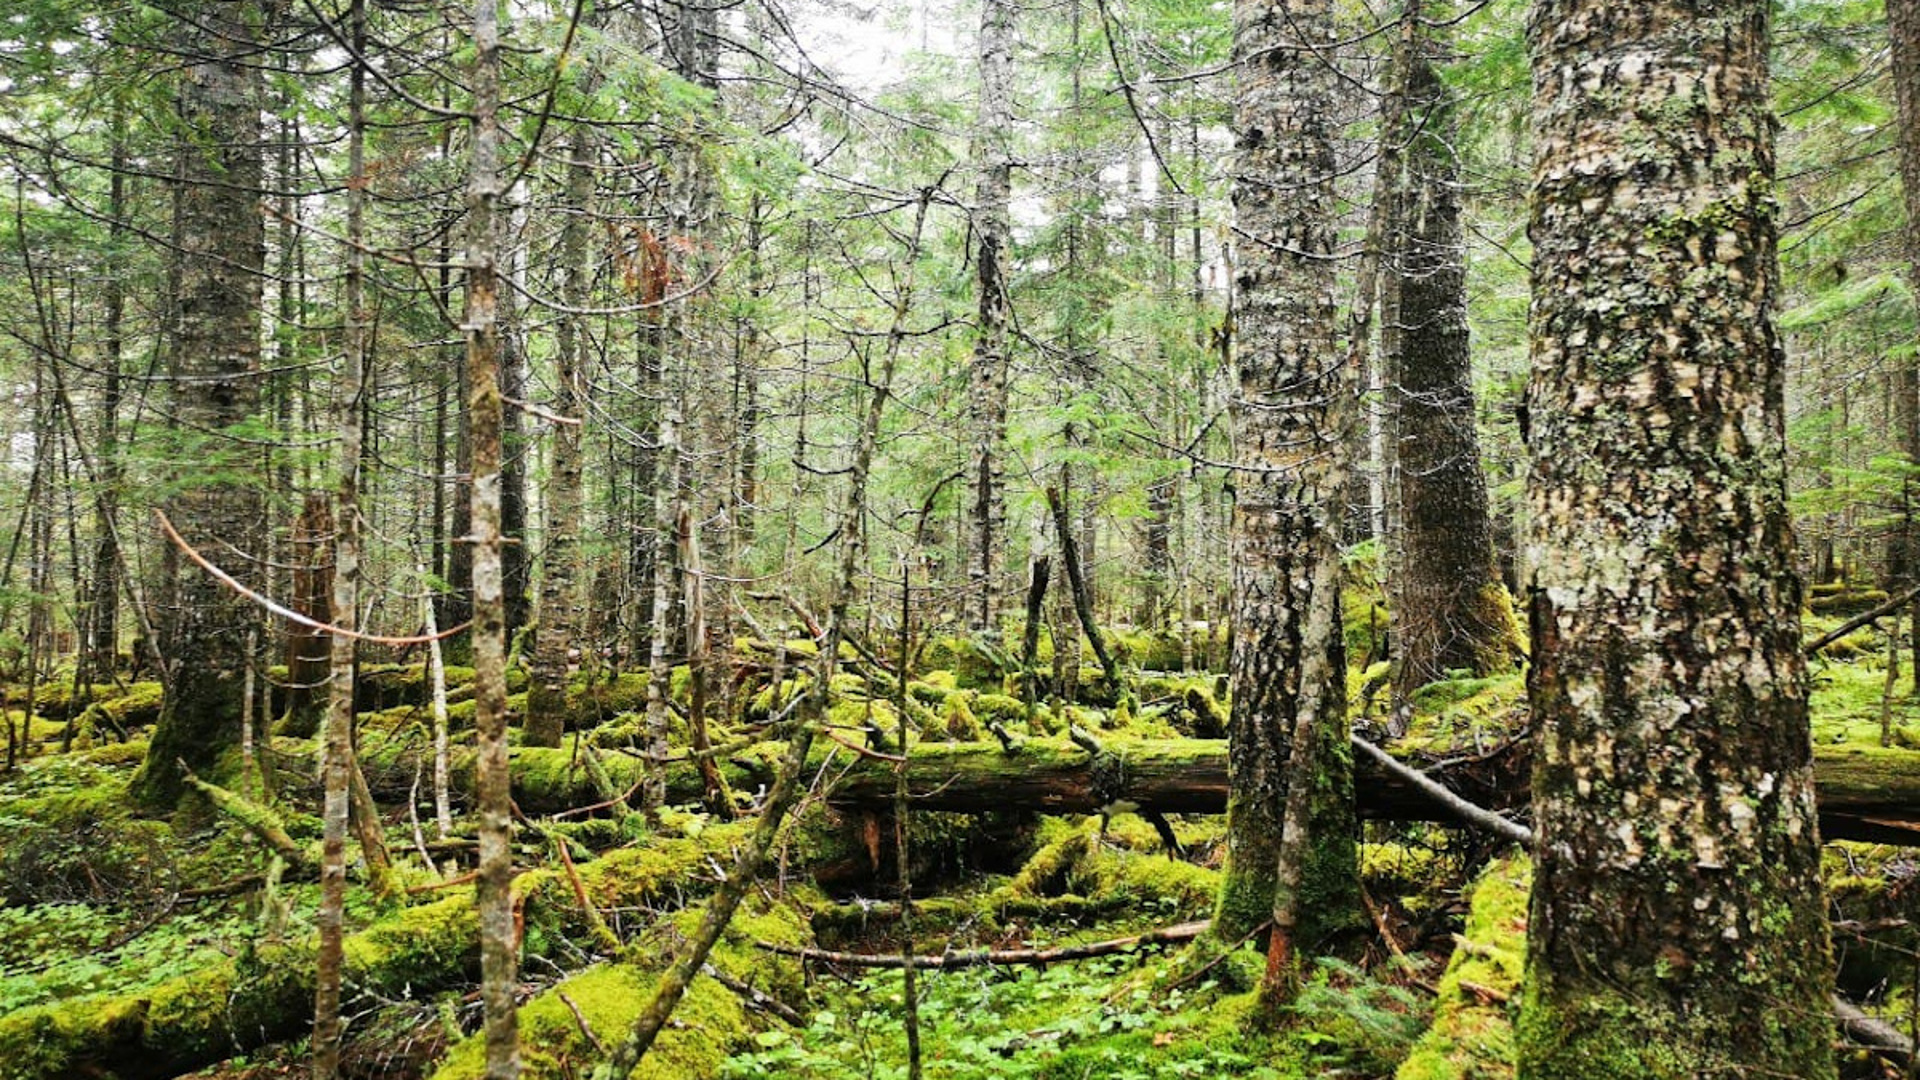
(1019, 1024)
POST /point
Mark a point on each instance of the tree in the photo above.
(498, 937)
(1290, 823)
(214, 360)
(993, 235)
(1450, 609)
(1903, 25)
(1677, 925)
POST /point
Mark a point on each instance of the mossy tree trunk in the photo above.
(214, 361)
(1287, 419)
(1677, 925)
(494, 899)
(1450, 610)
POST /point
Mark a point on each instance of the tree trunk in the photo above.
(1288, 418)
(993, 231)
(1451, 611)
(557, 624)
(337, 754)
(311, 551)
(103, 622)
(1677, 924)
(214, 358)
(498, 937)
(1903, 26)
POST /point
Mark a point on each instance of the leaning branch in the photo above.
(1862, 619)
(288, 613)
(1461, 808)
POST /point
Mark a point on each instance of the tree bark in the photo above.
(1287, 418)
(338, 766)
(1903, 27)
(1677, 925)
(498, 938)
(993, 233)
(557, 623)
(1450, 610)
(214, 360)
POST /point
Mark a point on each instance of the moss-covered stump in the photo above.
(267, 994)
(1472, 1033)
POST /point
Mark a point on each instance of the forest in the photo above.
(961, 539)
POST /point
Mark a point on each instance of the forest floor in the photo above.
(140, 947)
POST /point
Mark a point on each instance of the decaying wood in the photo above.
(1874, 1034)
(1171, 935)
(1865, 793)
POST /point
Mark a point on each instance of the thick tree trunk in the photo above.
(214, 359)
(1903, 26)
(1677, 925)
(1287, 420)
(993, 232)
(1450, 611)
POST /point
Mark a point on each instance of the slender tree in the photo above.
(1903, 26)
(993, 232)
(498, 939)
(1290, 823)
(559, 596)
(1677, 926)
(337, 760)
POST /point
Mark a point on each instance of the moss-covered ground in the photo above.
(155, 946)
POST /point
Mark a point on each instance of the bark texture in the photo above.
(1903, 28)
(214, 357)
(1677, 925)
(499, 960)
(560, 592)
(1288, 447)
(1450, 610)
(993, 234)
(337, 755)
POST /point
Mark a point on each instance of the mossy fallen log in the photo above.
(1865, 793)
(265, 994)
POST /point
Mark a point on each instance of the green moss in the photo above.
(1464, 712)
(974, 665)
(960, 723)
(47, 1041)
(1472, 1033)
(708, 1022)
(424, 944)
(1000, 709)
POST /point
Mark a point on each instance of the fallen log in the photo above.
(1171, 935)
(1865, 793)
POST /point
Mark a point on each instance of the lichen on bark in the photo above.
(1288, 415)
(1677, 926)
